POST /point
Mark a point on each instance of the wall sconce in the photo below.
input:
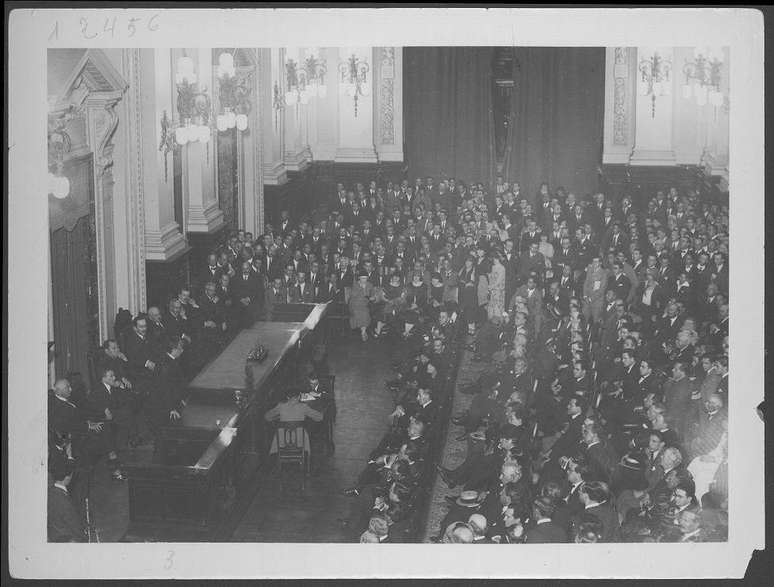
(194, 108)
(655, 78)
(703, 75)
(305, 81)
(59, 144)
(354, 74)
(233, 96)
(315, 73)
(296, 84)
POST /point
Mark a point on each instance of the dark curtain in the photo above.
(447, 110)
(74, 272)
(558, 106)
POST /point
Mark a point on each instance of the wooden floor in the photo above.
(322, 513)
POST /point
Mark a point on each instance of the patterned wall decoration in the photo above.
(386, 114)
(620, 127)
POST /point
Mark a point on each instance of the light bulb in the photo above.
(220, 123)
(322, 91)
(61, 187)
(230, 119)
(226, 61)
(204, 133)
(304, 97)
(181, 135)
(312, 89)
(290, 98)
(51, 181)
(241, 122)
(716, 98)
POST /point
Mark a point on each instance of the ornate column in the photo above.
(326, 131)
(272, 114)
(152, 168)
(620, 90)
(297, 155)
(388, 118)
(250, 149)
(653, 141)
(356, 106)
(199, 178)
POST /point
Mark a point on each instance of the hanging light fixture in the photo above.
(233, 96)
(703, 75)
(315, 72)
(59, 144)
(193, 107)
(655, 78)
(354, 72)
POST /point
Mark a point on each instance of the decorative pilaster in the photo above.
(389, 112)
(620, 88)
(272, 114)
(250, 152)
(152, 166)
(203, 213)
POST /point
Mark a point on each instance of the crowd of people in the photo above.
(604, 321)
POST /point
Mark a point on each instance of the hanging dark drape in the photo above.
(558, 106)
(447, 111)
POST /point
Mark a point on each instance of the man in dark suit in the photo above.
(212, 272)
(165, 402)
(304, 291)
(275, 294)
(544, 531)
(212, 319)
(248, 295)
(64, 521)
(595, 496)
(619, 283)
(109, 404)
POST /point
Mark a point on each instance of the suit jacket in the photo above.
(64, 417)
(64, 522)
(167, 394)
(251, 288)
(605, 513)
(677, 398)
(274, 297)
(528, 263)
(138, 351)
(213, 310)
(545, 533)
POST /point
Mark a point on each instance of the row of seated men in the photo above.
(397, 477)
(137, 388)
(582, 434)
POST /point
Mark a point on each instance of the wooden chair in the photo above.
(291, 448)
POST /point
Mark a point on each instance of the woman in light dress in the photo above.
(496, 305)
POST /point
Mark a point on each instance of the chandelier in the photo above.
(59, 144)
(193, 106)
(655, 78)
(305, 80)
(354, 73)
(702, 76)
(233, 96)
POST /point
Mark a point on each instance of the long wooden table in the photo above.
(207, 462)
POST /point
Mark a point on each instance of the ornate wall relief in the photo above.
(387, 97)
